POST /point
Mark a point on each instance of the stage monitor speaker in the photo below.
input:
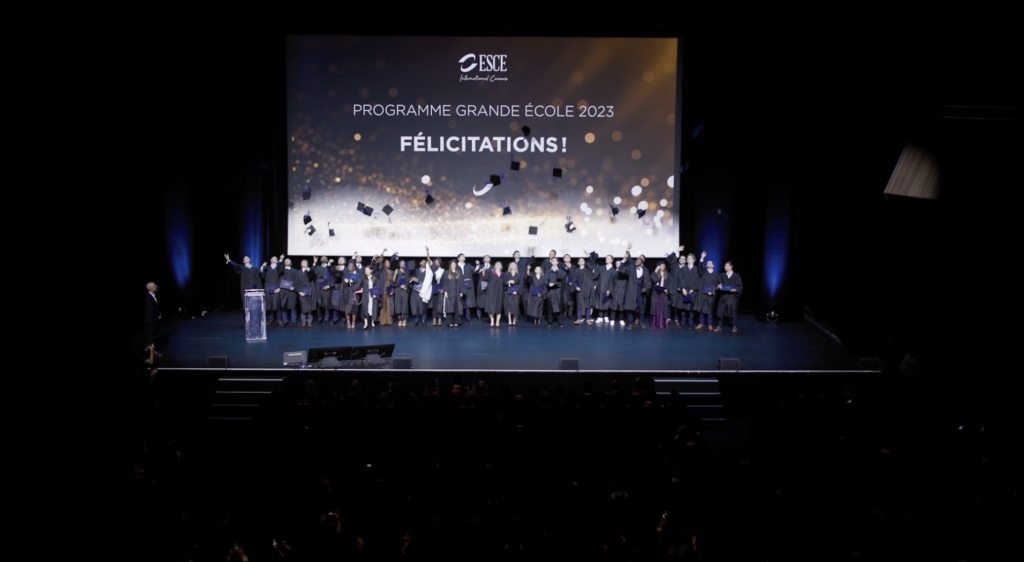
(330, 362)
(728, 364)
(217, 362)
(568, 364)
(294, 357)
(402, 363)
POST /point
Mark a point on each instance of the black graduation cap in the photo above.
(594, 256)
(394, 256)
(533, 230)
(368, 210)
(615, 210)
(526, 131)
(430, 198)
(569, 226)
(307, 219)
(640, 213)
(307, 193)
(291, 205)
(506, 210)
(515, 165)
(556, 173)
(360, 206)
(387, 211)
(330, 231)
(495, 180)
(311, 230)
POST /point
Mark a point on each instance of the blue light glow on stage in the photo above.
(712, 239)
(252, 230)
(776, 251)
(179, 246)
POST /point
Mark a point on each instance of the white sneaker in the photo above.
(599, 320)
(622, 322)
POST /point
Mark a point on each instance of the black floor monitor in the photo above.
(383, 350)
(317, 354)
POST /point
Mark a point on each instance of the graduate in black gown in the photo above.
(371, 295)
(554, 278)
(453, 294)
(324, 282)
(538, 294)
(497, 283)
(251, 278)
(704, 304)
(637, 287)
(525, 267)
(584, 283)
(481, 270)
(618, 303)
(353, 294)
(661, 296)
(605, 287)
(730, 287)
(417, 307)
(513, 284)
(272, 279)
(338, 292)
(469, 295)
(290, 297)
(437, 299)
(400, 281)
(568, 289)
(685, 281)
(307, 293)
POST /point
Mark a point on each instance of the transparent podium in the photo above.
(255, 315)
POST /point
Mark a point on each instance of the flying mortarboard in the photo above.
(311, 230)
(430, 198)
(387, 211)
(533, 231)
(526, 131)
(330, 231)
(306, 219)
(307, 193)
(556, 173)
(368, 210)
(495, 180)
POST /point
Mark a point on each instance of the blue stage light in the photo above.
(179, 246)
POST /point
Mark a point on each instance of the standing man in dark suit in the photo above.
(152, 315)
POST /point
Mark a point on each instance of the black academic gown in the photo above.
(729, 302)
(323, 296)
(583, 286)
(353, 300)
(466, 274)
(483, 273)
(568, 288)
(290, 298)
(641, 284)
(452, 288)
(620, 287)
(250, 278)
(704, 303)
(684, 278)
(337, 292)
(606, 277)
(416, 305)
(535, 305)
(555, 294)
(495, 300)
(307, 280)
(400, 302)
(272, 276)
(437, 301)
(370, 305)
(512, 302)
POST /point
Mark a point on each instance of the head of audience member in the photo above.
(727, 266)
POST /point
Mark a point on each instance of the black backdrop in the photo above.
(822, 111)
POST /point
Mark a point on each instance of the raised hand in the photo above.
(264, 264)
(227, 258)
(630, 246)
(703, 255)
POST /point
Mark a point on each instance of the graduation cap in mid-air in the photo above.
(515, 165)
(307, 193)
(387, 211)
(506, 210)
(368, 210)
(533, 231)
(311, 230)
(640, 213)
(360, 206)
(306, 219)
(430, 198)
(594, 256)
(496, 179)
(615, 210)
(556, 173)
(526, 131)
(330, 231)
(569, 226)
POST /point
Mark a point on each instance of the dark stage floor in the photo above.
(788, 346)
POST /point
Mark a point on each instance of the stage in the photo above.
(792, 346)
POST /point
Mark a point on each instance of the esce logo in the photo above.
(483, 63)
